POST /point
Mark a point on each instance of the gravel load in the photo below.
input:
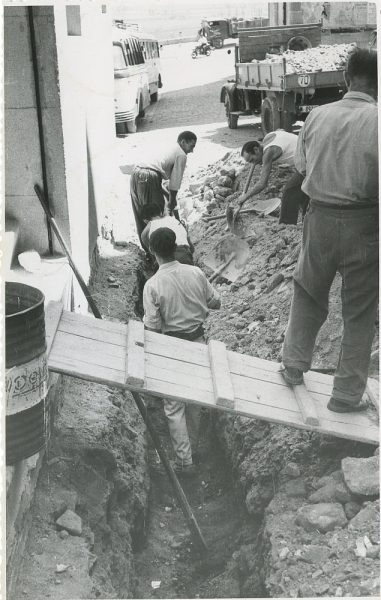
(323, 58)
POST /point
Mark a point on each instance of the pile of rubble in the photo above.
(214, 185)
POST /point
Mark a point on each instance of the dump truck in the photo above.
(282, 73)
(221, 29)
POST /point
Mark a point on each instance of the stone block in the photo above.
(295, 488)
(315, 554)
(367, 515)
(362, 475)
(333, 491)
(71, 522)
(323, 517)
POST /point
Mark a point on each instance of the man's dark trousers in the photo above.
(344, 241)
(146, 189)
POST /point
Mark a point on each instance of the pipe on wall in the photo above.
(39, 117)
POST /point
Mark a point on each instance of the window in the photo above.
(73, 19)
(128, 48)
(119, 60)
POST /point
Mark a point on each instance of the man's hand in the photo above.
(241, 202)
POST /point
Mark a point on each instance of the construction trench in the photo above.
(128, 537)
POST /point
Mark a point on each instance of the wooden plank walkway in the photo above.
(96, 350)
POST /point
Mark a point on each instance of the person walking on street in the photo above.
(176, 301)
(277, 148)
(149, 175)
(155, 219)
(337, 153)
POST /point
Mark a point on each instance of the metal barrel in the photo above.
(26, 375)
(24, 323)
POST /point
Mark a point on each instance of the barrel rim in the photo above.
(16, 284)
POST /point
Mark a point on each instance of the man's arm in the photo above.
(269, 156)
(152, 317)
(300, 153)
(145, 235)
(213, 300)
(175, 182)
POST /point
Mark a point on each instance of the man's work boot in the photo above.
(291, 375)
(343, 407)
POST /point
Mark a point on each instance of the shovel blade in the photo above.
(229, 244)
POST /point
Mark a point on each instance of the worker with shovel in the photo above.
(338, 154)
(148, 176)
(176, 301)
(277, 148)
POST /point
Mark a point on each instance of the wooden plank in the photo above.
(183, 368)
(306, 405)
(94, 329)
(238, 361)
(87, 371)
(180, 370)
(135, 354)
(92, 322)
(373, 391)
(170, 347)
(53, 314)
(264, 393)
(172, 375)
(222, 383)
(343, 430)
(88, 351)
(253, 371)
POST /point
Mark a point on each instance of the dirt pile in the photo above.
(279, 469)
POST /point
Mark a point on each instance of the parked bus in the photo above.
(137, 77)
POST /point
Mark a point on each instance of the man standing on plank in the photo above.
(148, 176)
(176, 302)
(338, 154)
(277, 148)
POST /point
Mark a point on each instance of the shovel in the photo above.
(230, 217)
(228, 257)
(262, 207)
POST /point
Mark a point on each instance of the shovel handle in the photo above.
(249, 177)
(248, 180)
(222, 268)
(84, 288)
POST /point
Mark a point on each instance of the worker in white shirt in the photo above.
(277, 148)
(155, 219)
(148, 176)
(176, 301)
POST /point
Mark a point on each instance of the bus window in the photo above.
(130, 58)
(119, 59)
(144, 49)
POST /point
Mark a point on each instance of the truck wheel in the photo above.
(218, 43)
(208, 52)
(270, 115)
(141, 113)
(154, 97)
(231, 119)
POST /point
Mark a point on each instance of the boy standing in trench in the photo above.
(176, 301)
